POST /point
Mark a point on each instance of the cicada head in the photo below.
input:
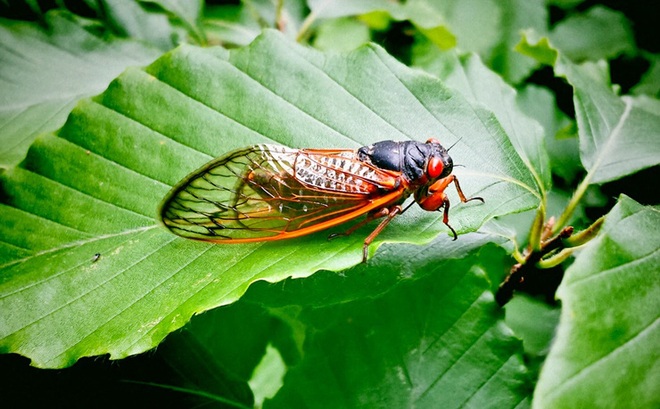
(439, 164)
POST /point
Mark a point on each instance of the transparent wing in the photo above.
(266, 192)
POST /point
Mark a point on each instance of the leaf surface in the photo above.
(436, 339)
(617, 137)
(598, 33)
(81, 245)
(421, 330)
(45, 72)
(605, 353)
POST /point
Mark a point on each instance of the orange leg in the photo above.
(434, 198)
(370, 216)
(388, 213)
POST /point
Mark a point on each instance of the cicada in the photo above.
(268, 192)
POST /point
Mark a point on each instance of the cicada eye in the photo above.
(435, 167)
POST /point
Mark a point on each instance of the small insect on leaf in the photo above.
(268, 192)
(96, 257)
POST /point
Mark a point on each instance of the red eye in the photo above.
(435, 167)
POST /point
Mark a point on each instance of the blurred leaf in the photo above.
(565, 4)
(286, 16)
(563, 151)
(476, 29)
(436, 339)
(129, 19)
(230, 25)
(533, 321)
(606, 350)
(617, 138)
(201, 370)
(517, 15)
(120, 153)
(598, 33)
(341, 34)
(650, 83)
(267, 377)
(489, 28)
(345, 8)
(45, 72)
(186, 11)
(473, 23)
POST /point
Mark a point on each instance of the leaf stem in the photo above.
(572, 204)
(521, 270)
(304, 28)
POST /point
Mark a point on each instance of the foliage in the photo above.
(86, 270)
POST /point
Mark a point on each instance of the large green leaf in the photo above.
(606, 349)
(435, 340)
(43, 73)
(419, 331)
(470, 77)
(95, 187)
(617, 137)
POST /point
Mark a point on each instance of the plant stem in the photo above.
(309, 20)
(572, 204)
(521, 270)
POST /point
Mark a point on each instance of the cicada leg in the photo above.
(434, 198)
(387, 213)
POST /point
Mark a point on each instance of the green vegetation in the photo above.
(553, 109)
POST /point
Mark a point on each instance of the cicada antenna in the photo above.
(454, 144)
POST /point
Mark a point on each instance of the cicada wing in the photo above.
(266, 192)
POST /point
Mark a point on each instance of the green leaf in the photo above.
(473, 23)
(473, 79)
(341, 34)
(94, 188)
(517, 15)
(187, 12)
(605, 352)
(561, 139)
(598, 33)
(45, 72)
(230, 25)
(565, 4)
(490, 29)
(533, 321)
(238, 25)
(436, 339)
(346, 8)
(129, 19)
(283, 318)
(267, 377)
(650, 82)
(219, 355)
(617, 138)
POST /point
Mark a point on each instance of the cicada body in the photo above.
(267, 192)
